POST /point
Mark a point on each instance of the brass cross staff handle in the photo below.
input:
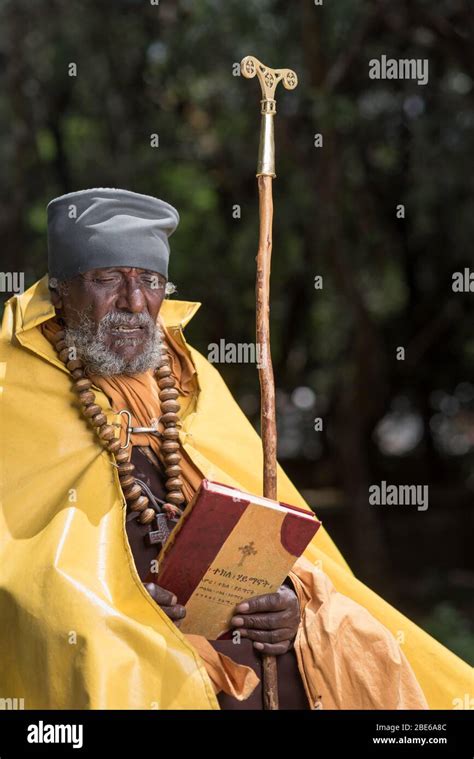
(268, 78)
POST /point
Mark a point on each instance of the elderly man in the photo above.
(87, 353)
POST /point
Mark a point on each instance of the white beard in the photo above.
(98, 358)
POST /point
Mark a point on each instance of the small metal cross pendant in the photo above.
(159, 532)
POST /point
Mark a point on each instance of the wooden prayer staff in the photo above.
(268, 78)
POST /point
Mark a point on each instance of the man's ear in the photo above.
(56, 298)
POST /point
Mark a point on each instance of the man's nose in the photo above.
(131, 298)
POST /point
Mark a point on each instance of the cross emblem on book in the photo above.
(246, 550)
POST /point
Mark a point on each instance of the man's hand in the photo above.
(166, 601)
(271, 620)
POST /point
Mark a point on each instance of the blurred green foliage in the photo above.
(448, 625)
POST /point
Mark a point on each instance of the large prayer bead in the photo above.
(169, 394)
(147, 516)
(172, 458)
(163, 371)
(138, 504)
(82, 384)
(170, 406)
(121, 456)
(77, 374)
(59, 336)
(114, 446)
(106, 432)
(170, 446)
(91, 410)
(127, 480)
(175, 497)
(133, 492)
(86, 397)
(173, 471)
(170, 433)
(169, 418)
(99, 420)
(165, 382)
(174, 483)
(126, 468)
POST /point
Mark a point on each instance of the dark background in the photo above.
(144, 69)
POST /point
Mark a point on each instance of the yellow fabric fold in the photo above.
(236, 680)
(347, 659)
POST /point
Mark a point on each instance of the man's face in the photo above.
(110, 316)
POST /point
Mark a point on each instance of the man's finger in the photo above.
(175, 612)
(160, 595)
(269, 636)
(274, 649)
(266, 621)
(267, 602)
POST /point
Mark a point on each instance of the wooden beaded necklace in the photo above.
(169, 405)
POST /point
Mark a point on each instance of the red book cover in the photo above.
(228, 546)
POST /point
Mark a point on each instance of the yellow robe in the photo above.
(78, 630)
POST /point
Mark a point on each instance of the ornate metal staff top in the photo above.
(268, 78)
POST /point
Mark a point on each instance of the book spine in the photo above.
(177, 529)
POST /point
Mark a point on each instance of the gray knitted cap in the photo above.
(103, 227)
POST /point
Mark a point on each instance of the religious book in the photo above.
(228, 546)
